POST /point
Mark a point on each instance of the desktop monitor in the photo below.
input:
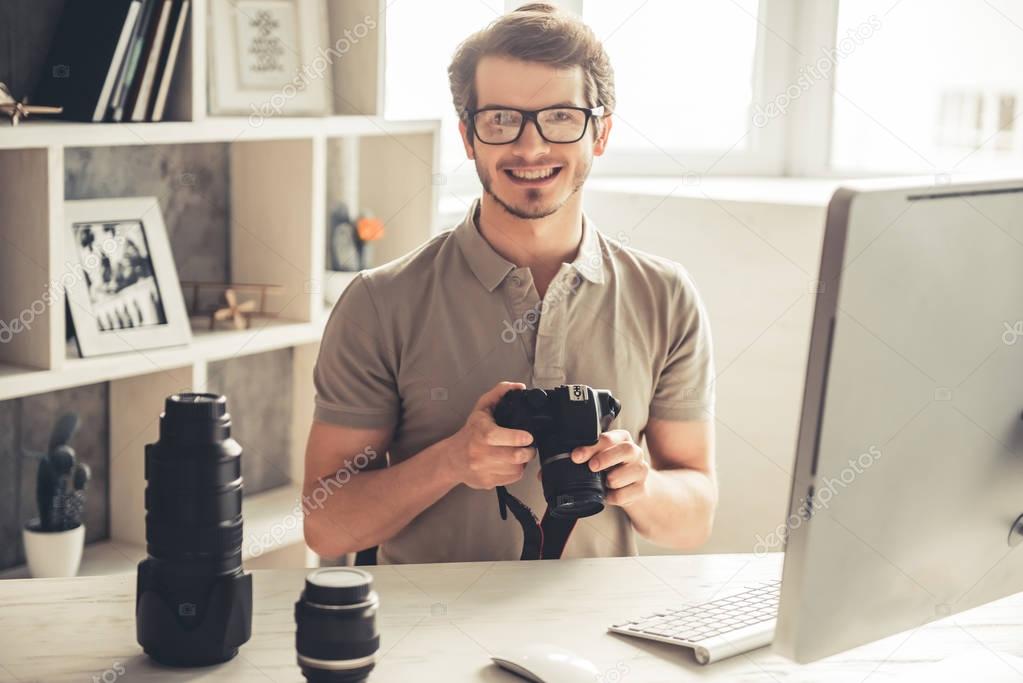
(907, 491)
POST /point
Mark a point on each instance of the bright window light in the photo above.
(684, 71)
(937, 87)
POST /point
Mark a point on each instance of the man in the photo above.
(524, 292)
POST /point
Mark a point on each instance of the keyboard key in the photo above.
(659, 631)
(647, 623)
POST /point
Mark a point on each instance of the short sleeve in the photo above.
(685, 388)
(354, 375)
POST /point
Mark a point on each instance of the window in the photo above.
(684, 73)
(674, 114)
(937, 87)
(421, 40)
(731, 87)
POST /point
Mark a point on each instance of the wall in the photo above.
(192, 183)
(259, 398)
(755, 265)
(24, 26)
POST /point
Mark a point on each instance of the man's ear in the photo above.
(470, 151)
(603, 130)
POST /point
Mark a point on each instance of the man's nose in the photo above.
(531, 143)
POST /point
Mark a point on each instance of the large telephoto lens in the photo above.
(336, 631)
(193, 603)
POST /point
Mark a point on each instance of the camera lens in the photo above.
(194, 492)
(336, 632)
(193, 601)
(571, 490)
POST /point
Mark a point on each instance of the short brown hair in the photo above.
(535, 32)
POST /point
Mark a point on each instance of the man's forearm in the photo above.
(677, 510)
(374, 505)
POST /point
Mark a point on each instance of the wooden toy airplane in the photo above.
(20, 110)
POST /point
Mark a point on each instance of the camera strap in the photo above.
(544, 540)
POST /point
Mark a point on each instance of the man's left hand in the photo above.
(622, 458)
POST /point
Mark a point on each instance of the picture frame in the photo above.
(263, 58)
(120, 281)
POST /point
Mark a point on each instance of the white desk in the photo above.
(440, 622)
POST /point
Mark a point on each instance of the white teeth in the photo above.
(532, 175)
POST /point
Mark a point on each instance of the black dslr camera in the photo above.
(560, 420)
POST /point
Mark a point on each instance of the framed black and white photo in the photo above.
(120, 280)
(266, 58)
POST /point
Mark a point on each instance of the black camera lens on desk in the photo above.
(336, 632)
(193, 602)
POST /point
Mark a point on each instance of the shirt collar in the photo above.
(491, 268)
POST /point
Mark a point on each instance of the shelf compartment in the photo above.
(276, 190)
(135, 406)
(397, 180)
(32, 301)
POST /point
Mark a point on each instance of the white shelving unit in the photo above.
(277, 233)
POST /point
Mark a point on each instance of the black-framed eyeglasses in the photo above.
(504, 125)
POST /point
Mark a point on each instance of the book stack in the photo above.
(113, 60)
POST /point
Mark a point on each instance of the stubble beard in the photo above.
(532, 210)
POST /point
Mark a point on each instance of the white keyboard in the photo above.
(717, 629)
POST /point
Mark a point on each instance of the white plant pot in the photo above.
(52, 554)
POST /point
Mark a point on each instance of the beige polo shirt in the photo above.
(411, 346)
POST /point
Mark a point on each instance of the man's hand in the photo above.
(483, 455)
(616, 453)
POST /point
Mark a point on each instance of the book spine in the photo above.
(122, 72)
(132, 60)
(115, 63)
(168, 70)
(145, 90)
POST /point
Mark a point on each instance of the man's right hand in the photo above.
(482, 454)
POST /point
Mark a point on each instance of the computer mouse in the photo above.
(543, 663)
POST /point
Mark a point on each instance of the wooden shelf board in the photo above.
(43, 133)
(206, 346)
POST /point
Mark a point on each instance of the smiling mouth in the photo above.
(539, 176)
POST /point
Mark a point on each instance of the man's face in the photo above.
(502, 81)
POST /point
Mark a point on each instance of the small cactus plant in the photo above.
(61, 480)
